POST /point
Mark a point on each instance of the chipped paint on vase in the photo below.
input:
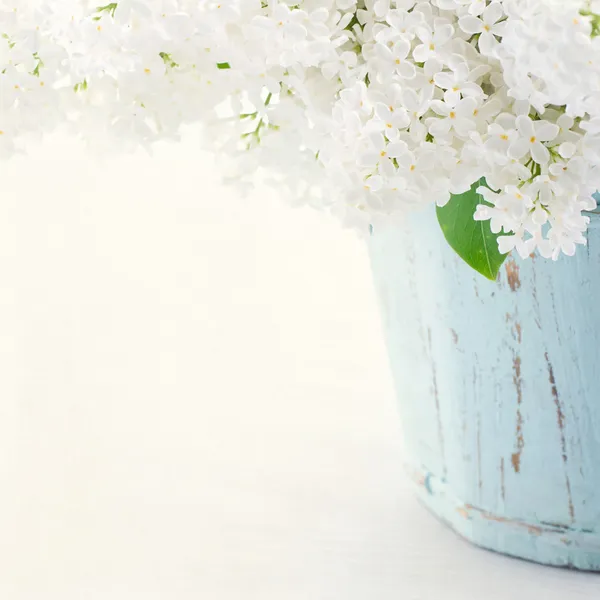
(499, 389)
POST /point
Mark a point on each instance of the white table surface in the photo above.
(195, 401)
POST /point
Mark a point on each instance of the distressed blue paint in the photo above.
(499, 391)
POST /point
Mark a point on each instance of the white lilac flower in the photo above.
(457, 84)
(499, 139)
(434, 42)
(365, 108)
(458, 119)
(393, 59)
(532, 135)
(489, 26)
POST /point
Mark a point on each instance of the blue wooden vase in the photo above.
(499, 389)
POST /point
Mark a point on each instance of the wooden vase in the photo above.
(499, 390)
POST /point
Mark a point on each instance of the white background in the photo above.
(195, 401)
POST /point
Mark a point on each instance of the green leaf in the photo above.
(472, 240)
(223, 66)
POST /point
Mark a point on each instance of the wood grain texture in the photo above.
(499, 389)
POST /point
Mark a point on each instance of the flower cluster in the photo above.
(366, 107)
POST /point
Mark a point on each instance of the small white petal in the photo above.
(567, 149)
(518, 149)
(470, 24)
(492, 13)
(540, 153)
(506, 243)
(545, 131)
(525, 126)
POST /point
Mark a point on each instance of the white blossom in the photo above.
(367, 108)
(532, 135)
